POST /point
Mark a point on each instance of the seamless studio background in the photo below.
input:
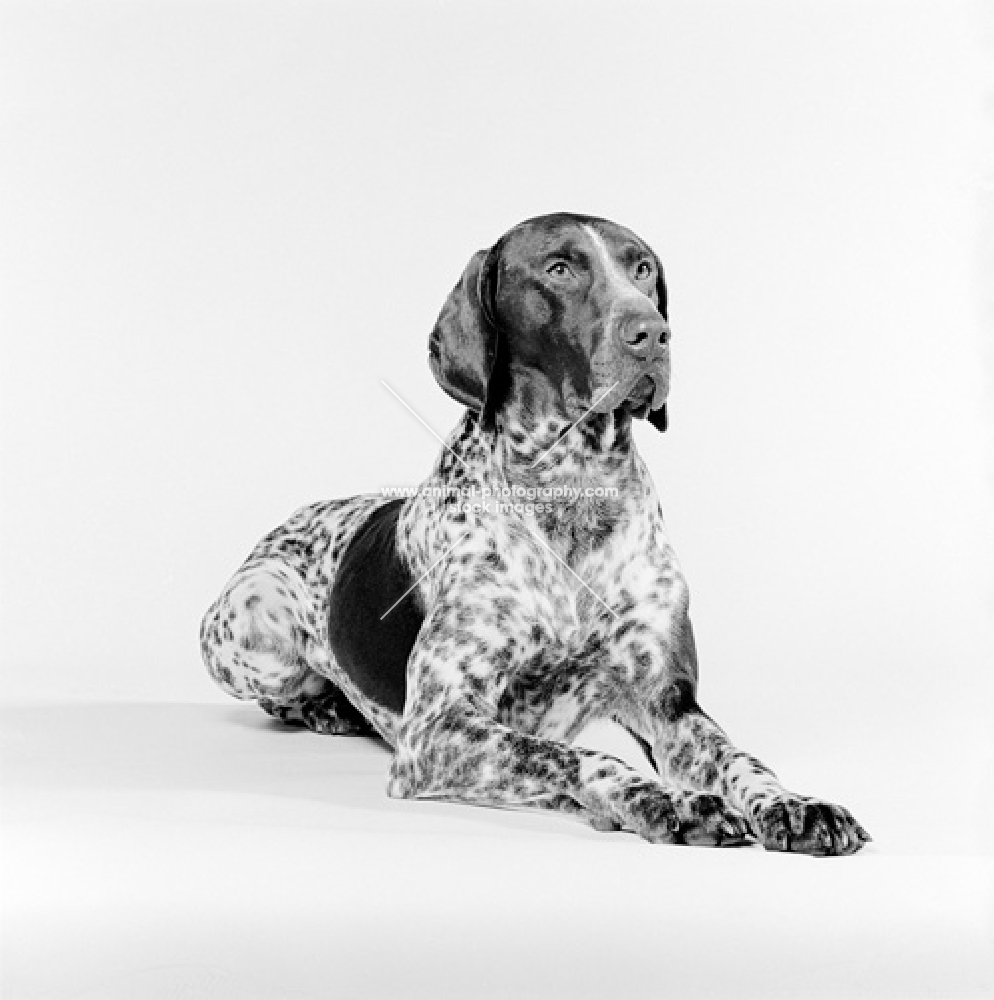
(225, 224)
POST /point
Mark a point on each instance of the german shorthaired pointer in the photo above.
(529, 587)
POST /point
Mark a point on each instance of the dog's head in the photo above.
(565, 311)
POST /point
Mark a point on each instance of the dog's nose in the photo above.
(644, 336)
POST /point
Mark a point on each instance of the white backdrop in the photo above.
(222, 225)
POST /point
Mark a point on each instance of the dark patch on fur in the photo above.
(678, 699)
(370, 579)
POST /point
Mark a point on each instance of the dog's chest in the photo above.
(573, 583)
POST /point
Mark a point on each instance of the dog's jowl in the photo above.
(529, 587)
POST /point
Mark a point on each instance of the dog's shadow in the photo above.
(224, 749)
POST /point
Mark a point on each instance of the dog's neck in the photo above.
(551, 450)
(547, 438)
(580, 474)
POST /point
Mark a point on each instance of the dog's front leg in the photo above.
(692, 750)
(451, 746)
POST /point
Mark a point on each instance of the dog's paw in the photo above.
(709, 821)
(644, 807)
(666, 816)
(329, 714)
(808, 826)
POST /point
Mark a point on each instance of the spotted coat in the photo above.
(530, 615)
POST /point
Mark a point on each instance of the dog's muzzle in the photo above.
(638, 358)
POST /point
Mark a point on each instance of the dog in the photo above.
(529, 587)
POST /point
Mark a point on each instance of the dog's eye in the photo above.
(643, 270)
(558, 269)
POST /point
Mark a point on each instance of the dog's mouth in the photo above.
(636, 393)
(648, 393)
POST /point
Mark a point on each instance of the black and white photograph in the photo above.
(496, 499)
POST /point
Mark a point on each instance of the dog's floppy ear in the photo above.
(465, 343)
(661, 295)
(658, 418)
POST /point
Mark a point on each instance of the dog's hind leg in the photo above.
(263, 639)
